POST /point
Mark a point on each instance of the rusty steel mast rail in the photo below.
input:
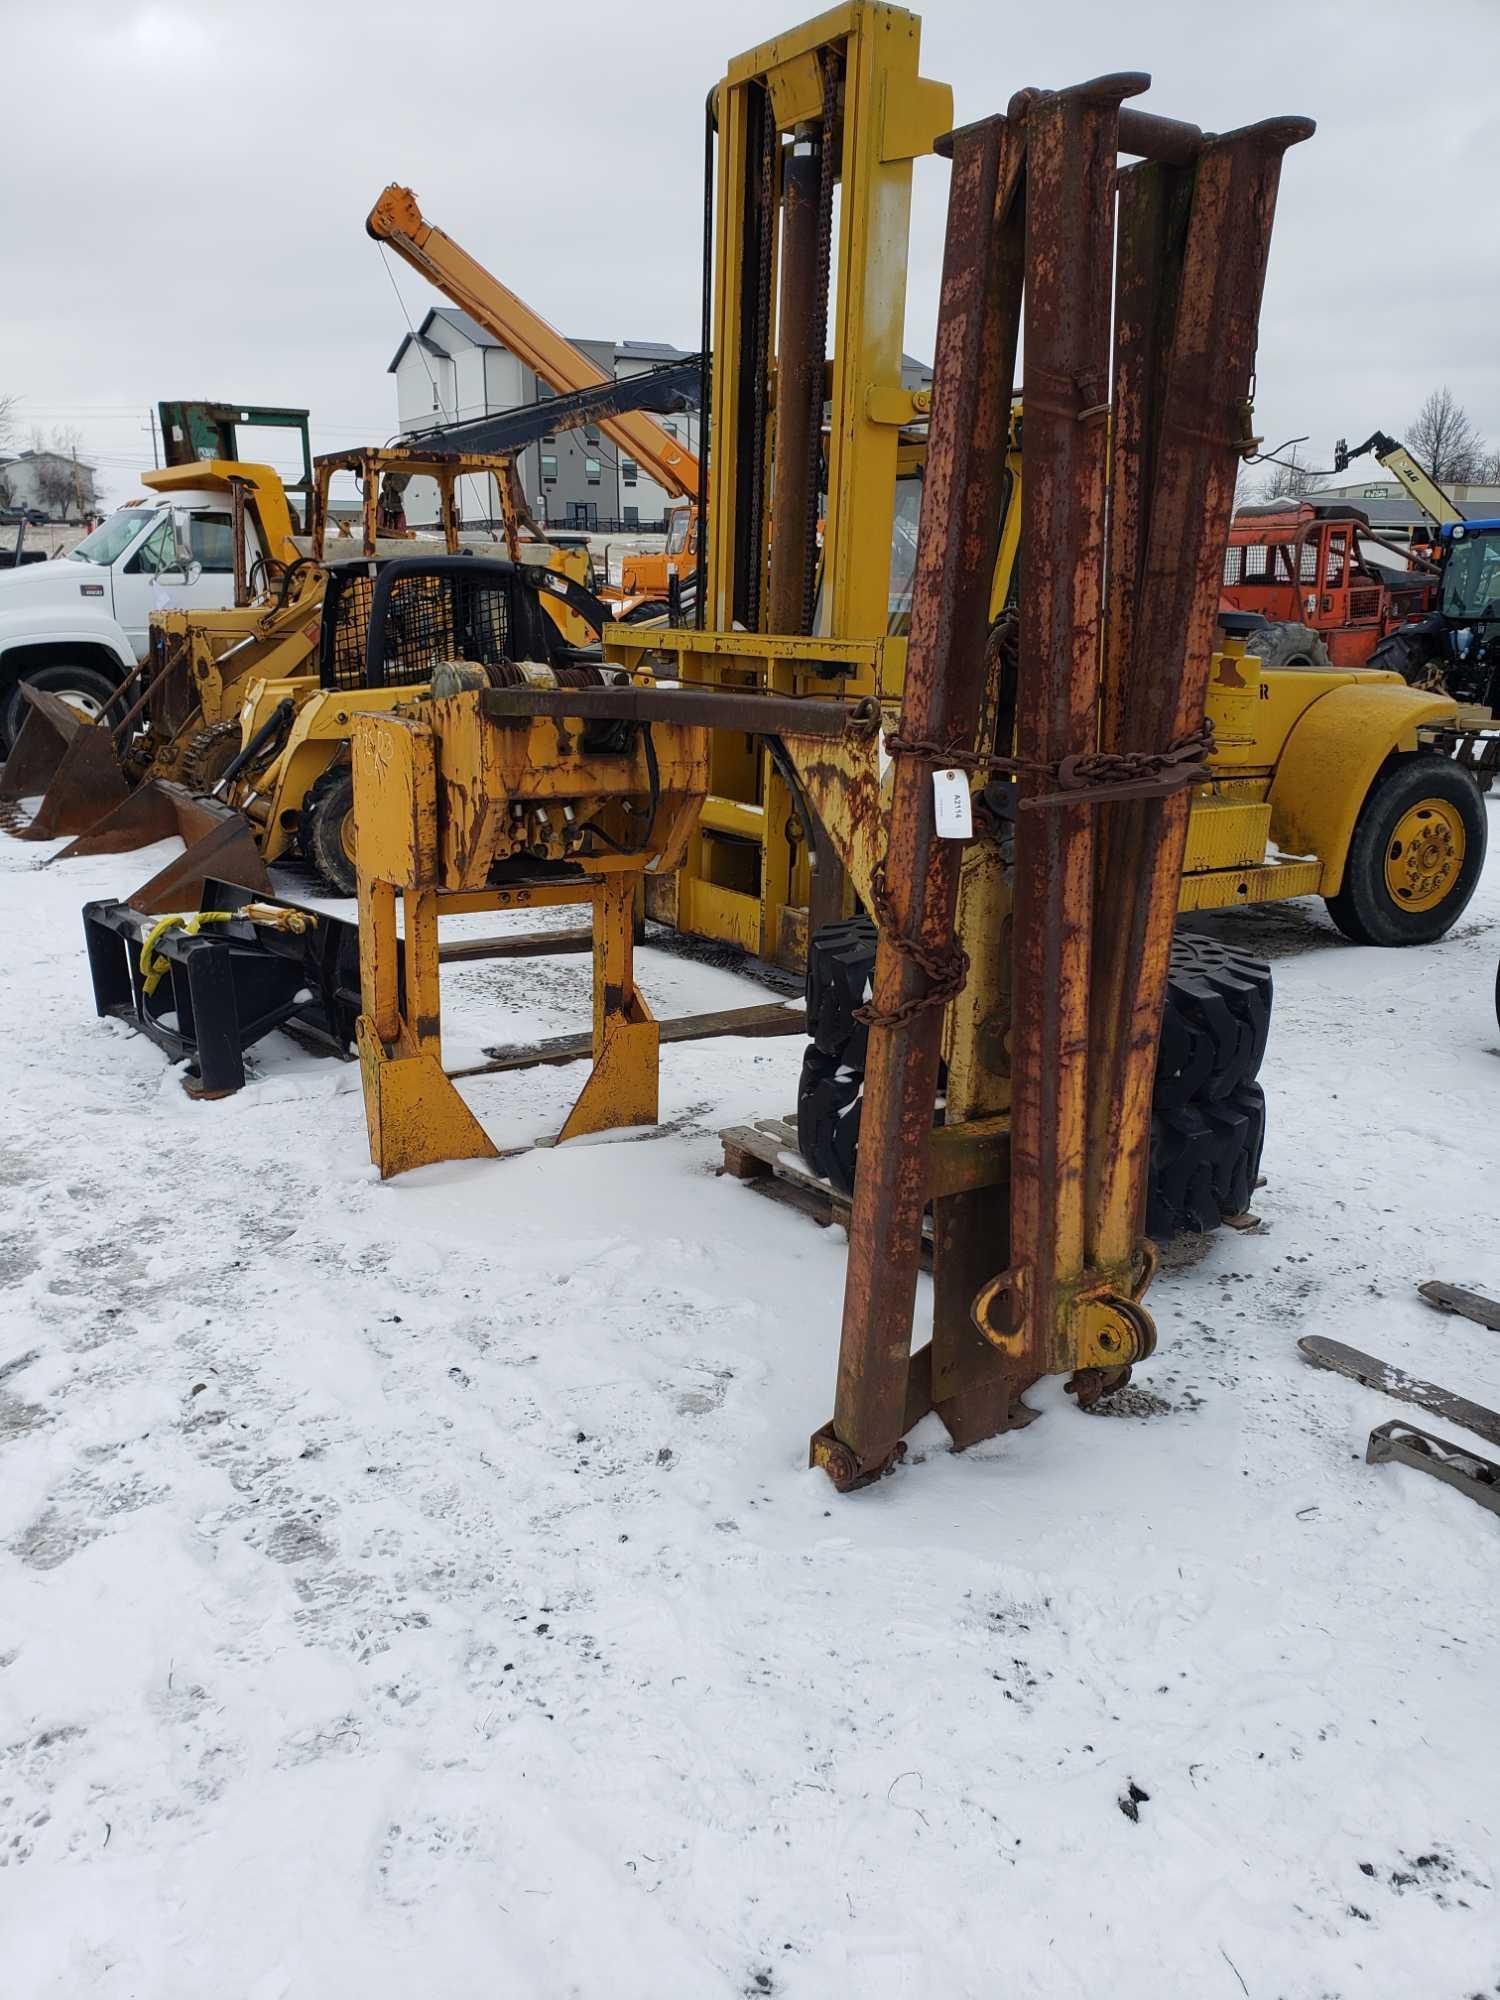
(1071, 1036)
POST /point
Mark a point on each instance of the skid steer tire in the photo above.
(1416, 854)
(1284, 644)
(1208, 1118)
(1214, 1024)
(325, 829)
(840, 967)
(829, 1100)
(1180, 1189)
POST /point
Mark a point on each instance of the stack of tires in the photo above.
(1208, 1115)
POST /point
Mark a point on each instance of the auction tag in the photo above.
(953, 809)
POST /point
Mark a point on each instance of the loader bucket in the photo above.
(66, 758)
(219, 842)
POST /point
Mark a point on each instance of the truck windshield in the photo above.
(113, 537)
(1471, 579)
(677, 531)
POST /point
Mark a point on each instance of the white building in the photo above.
(50, 483)
(450, 370)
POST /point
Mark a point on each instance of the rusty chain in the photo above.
(945, 967)
(1090, 777)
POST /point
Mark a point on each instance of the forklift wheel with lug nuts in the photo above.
(1415, 857)
(325, 831)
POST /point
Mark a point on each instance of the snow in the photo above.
(420, 1589)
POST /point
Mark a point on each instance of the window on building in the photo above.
(211, 537)
(669, 428)
(549, 466)
(591, 433)
(632, 517)
(628, 470)
(593, 471)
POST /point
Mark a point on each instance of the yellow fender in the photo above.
(1331, 758)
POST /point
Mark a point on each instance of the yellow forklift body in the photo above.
(1331, 759)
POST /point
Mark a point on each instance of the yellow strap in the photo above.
(152, 968)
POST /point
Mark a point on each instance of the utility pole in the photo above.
(155, 453)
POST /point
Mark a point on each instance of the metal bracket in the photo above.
(1401, 1443)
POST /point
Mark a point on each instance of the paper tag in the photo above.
(953, 809)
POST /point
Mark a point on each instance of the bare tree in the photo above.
(1289, 478)
(7, 417)
(64, 487)
(1443, 437)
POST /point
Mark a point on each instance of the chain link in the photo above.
(945, 967)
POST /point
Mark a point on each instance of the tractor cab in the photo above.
(1308, 563)
(1469, 607)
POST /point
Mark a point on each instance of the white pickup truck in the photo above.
(76, 626)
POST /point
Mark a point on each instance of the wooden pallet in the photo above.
(765, 1157)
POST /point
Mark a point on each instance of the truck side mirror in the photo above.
(180, 574)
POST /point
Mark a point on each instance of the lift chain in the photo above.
(819, 335)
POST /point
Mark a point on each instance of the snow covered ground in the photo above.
(419, 1590)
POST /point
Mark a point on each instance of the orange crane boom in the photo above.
(397, 219)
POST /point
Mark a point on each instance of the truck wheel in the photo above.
(325, 828)
(83, 688)
(1283, 644)
(1416, 854)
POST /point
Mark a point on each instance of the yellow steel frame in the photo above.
(436, 804)
(747, 875)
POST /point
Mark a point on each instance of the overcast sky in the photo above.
(187, 180)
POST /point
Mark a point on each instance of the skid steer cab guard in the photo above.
(385, 624)
(1343, 774)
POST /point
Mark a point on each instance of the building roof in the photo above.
(469, 327)
(58, 458)
(650, 350)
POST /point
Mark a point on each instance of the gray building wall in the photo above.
(451, 369)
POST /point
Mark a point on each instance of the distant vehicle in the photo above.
(76, 627)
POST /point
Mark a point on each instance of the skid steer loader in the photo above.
(150, 771)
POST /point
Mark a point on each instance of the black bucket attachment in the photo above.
(255, 965)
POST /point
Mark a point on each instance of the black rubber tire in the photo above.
(1214, 1024)
(1412, 651)
(1208, 1118)
(1364, 908)
(840, 966)
(320, 828)
(1238, 1123)
(1180, 1186)
(87, 682)
(1285, 644)
(830, 1096)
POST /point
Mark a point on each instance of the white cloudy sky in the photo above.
(186, 183)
